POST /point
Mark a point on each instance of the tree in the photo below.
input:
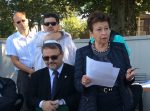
(123, 13)
(6, 26)
(74, 25)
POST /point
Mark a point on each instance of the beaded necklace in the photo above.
(101, 54)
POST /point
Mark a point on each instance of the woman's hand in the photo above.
(85, 80)
(130, 74)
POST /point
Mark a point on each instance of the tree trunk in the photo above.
(123, 16)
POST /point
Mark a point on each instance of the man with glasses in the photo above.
(52, 32)
(20, 48)
(52, 87)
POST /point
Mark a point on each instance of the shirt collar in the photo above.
(23, 37)
(59, 70)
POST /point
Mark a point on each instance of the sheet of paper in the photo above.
(101, 73)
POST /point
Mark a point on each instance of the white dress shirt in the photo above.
(22, 47)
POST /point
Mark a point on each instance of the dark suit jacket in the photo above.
(8, 94)
(39, 88)
(118, 56)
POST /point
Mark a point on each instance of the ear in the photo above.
(15, 26)
(91, 34)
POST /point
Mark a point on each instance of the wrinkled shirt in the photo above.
(21, 47)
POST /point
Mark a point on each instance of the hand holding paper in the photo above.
(101, 73)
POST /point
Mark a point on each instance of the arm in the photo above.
(21, 66)
(71, 50)
(79, 70)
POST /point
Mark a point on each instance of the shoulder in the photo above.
(66, 34)
(117, 45)
(68, 69)
(6, 81)
(84, 48)
(68, 66)
(11, 37)
(40, 72)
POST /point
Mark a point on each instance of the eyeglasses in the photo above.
(18, 22)
(50, 23)
(53, 57)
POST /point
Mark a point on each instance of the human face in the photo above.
(101, 32)
(21, 22)
(55, 58)
(52, 27)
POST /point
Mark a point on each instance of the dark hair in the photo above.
(97, 16)
(48, 15)
(52, 46)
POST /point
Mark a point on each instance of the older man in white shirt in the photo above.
(20, 48)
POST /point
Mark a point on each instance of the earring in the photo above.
(92, 40)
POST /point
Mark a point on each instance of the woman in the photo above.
(101, 98)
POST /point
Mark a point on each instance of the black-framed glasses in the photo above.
(18, 22)
(53, 57)
(50, 23)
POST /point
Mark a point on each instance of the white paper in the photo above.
(101, 73)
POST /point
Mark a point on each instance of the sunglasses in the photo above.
(50, 23)
(53, 57)
(18, 22)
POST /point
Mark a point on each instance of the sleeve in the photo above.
(32, 98)
(69, 49)
(72, 51)
(79, 71)
(10, 48)
(39, 39)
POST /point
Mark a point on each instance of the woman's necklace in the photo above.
(95, 50)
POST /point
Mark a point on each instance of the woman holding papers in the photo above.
(97, 96)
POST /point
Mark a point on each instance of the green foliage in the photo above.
(123, 13)
(74, 25)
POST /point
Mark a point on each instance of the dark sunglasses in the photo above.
(53, 57)
(50, 23)
(18, 22)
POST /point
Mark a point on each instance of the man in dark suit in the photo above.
(8, 94)
(42, 93)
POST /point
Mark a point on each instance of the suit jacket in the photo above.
(118, 56)
(8, 94)
(40, 88)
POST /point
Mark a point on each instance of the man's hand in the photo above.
(49, 106)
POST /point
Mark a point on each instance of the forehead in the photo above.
(100, 24)
(49, 51)
(50, 19)
(19, 16)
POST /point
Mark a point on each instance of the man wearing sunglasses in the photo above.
(52, 32)
(20, 48)
(41, 87)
